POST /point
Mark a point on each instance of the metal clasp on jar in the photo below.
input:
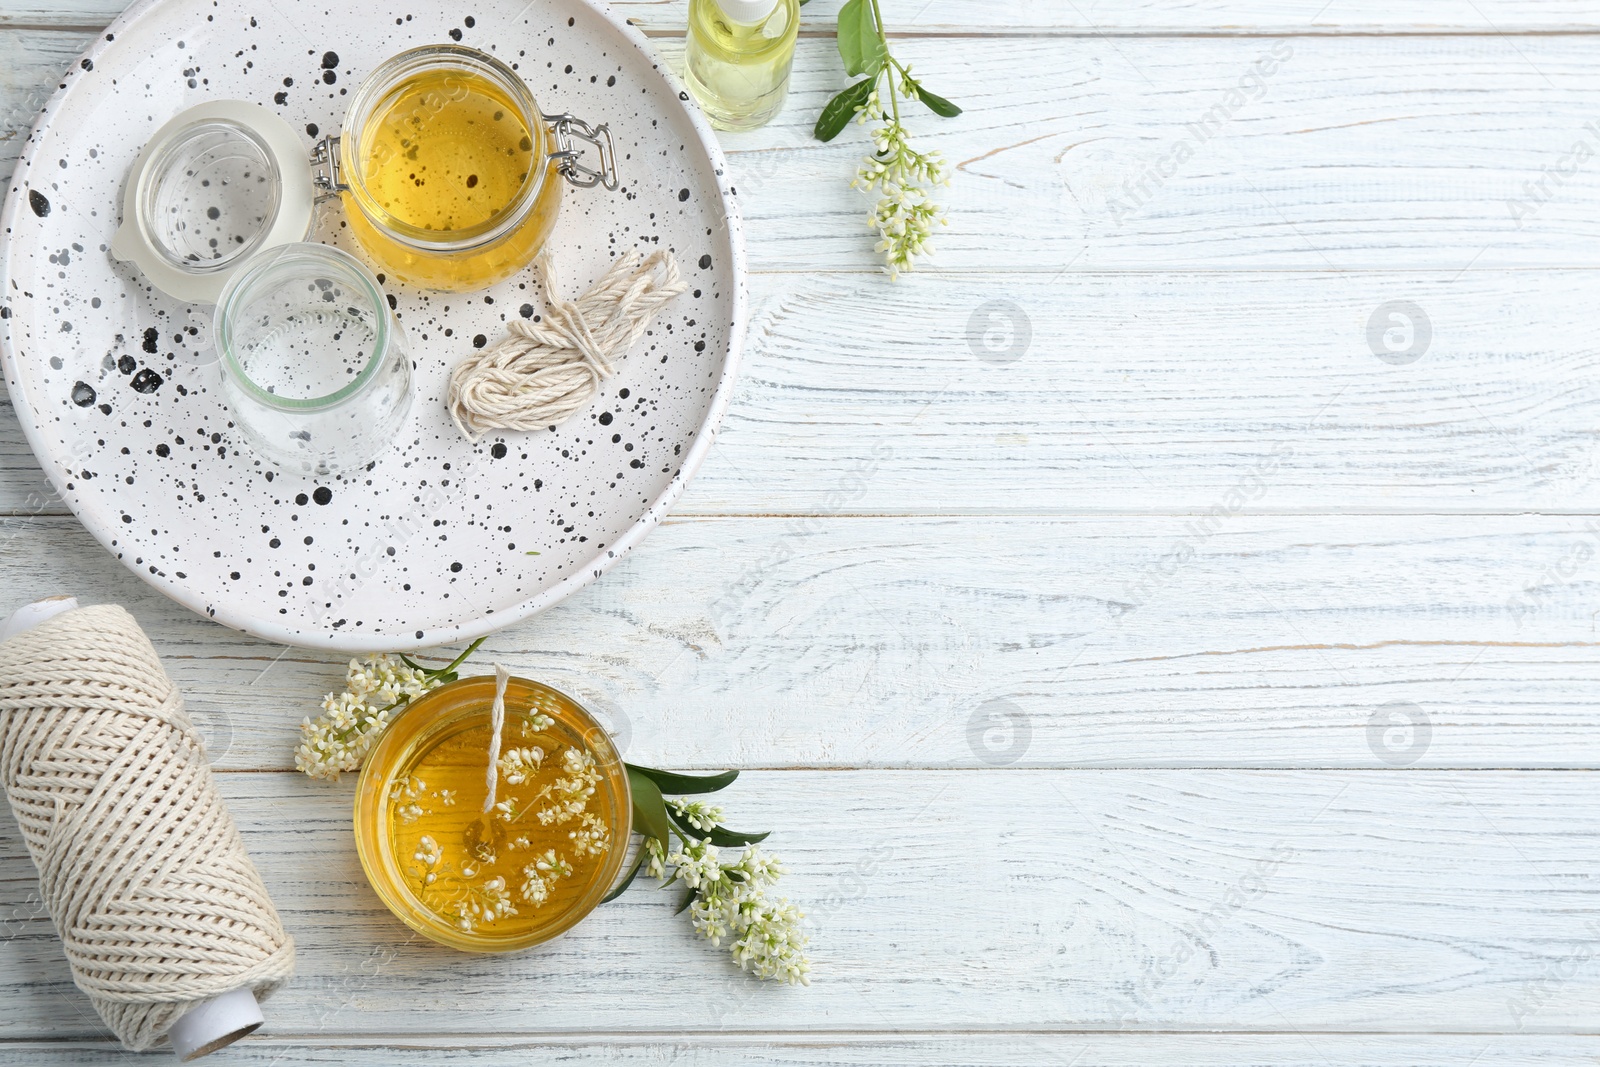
(566, 127)
(327, 172)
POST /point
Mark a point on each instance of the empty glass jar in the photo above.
(314, 364)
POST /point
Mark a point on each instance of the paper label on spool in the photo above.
(30, 615)
(215, 1023)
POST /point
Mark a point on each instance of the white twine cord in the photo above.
(142, 868)
(497, 722)
(546, 370)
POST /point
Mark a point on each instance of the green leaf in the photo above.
(720, 836)
(841, 109)
(649, 810)
(633, 872)
(936, 103)
(688, 898)
(849, 34)
(860, 45)
(672, 782)
(723, 837)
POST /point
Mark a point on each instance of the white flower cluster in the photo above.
(905, 213)
(520, 764)
(572, 792)
(696, 813)
(535, 723)
(592, 837)
(657, 867)
(540, 876)
(340, 738)
(405, 792)
(697, 864)
(736, 902)
(428, 854)
(484, 903)
(507, 809)
(535, 890)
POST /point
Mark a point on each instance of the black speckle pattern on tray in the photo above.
(437, 541)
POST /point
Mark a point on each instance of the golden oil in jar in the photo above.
(453, 179)
(530, 867)
(449, 152)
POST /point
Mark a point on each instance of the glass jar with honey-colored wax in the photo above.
(528, 869)
(450, 173)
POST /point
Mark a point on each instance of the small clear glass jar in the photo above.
(427, 773)
(314, 364)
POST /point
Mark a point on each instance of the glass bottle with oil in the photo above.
(738, 58)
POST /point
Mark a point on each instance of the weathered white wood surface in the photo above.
(1355, 153)
(960, 900)
(888, 643)
(840, 1049)
(1040, 660)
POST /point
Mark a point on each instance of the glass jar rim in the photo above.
(431, 714)
(172, 155)
(311, 254)
(391, 73)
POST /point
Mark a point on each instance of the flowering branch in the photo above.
(725, 900)
(375, 691)
(904, 178)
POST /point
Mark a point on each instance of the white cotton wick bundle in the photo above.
(497, 724)
(547, 370)
(164, 919)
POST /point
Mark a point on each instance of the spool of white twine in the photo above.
(164, 919)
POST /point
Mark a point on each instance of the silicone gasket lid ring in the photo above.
(219, 183)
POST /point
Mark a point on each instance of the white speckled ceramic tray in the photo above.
(439, 541)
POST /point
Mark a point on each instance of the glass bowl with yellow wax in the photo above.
(525, 871)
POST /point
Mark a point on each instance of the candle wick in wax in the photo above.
(497, 722)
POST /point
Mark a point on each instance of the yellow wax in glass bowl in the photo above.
(521, 874)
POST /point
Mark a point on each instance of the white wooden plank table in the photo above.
(1063, 681)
